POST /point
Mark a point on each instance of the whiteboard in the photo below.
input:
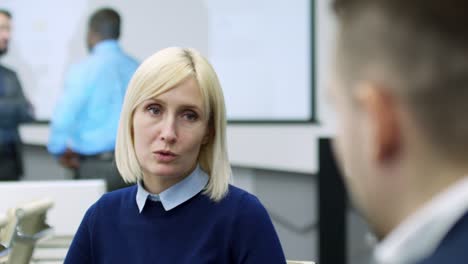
(261, 49)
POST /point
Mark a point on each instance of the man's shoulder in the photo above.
(454, 247)
(79, 68)
(98, 64)
(116, 55)
(7, 70)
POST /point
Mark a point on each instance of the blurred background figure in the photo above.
(14, 109)
(84, 123)
(401, 93)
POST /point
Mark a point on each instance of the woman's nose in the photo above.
(168, 131)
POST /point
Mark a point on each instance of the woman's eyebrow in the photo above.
(191, 106)
(154, 100)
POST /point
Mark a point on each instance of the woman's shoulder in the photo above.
(110, 204)
(236, 194)
(242, 199)
(118, 197)
(247, 211)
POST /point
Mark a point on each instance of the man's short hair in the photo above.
(106, 23)
(5, 12)
(418, 48)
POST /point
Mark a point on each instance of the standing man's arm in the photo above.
(65, 116)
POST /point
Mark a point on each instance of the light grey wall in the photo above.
(39, 165)
(291, 201)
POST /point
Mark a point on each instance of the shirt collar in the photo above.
(106, 45)
(176, 194)
(420, 234)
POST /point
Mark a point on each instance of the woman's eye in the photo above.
(190, 116)
(154, 109)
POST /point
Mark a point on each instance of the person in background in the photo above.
(14, 109)
(401, 94)
(171, 142)
(84, 124)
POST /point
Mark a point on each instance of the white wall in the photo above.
(260, 46)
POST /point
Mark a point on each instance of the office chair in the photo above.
(4, 250)
(29, 226)
(3, 221)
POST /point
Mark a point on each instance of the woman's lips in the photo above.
(165, 156)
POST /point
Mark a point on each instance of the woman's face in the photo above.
(169, 131)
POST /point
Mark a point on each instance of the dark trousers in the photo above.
(10, 163)
(98, 168)
(8, 169)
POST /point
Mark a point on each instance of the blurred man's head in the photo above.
(5, 28)
(103, 24)
(401, 93)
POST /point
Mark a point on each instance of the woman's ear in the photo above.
(380, 106)
(206, 139)
(209, 134)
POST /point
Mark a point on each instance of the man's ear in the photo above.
(381, 109)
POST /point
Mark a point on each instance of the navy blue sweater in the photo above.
(235, 230)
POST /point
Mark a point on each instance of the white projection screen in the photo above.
(262, 50)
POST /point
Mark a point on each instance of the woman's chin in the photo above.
(164, 172)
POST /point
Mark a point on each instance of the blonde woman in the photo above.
(171, 142)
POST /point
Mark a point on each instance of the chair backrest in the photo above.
(30, 226)
(4, 250)
(299, 262)
(8, 230)
(4, 253)
(3, 221)
(3, 225)
(71, 199)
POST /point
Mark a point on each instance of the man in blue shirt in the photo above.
(14, 109)
(84, 124)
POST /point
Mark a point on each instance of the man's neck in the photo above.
(422, 184)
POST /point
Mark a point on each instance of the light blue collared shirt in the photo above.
(87, 114)
(176, 194)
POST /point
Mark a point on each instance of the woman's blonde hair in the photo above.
(156, 75)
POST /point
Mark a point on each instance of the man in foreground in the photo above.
(401, 93)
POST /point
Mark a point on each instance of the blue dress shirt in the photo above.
(87, 115)
(176, 194)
